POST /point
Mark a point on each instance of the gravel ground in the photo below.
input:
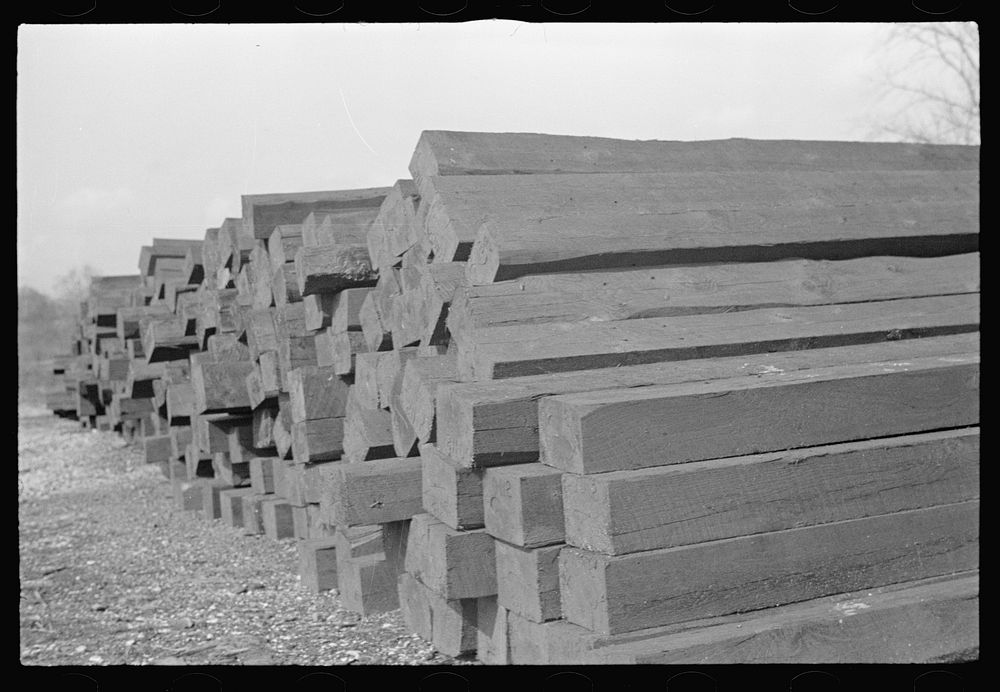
(111, 573)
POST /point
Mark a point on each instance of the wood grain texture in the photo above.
(328, 269)
(282, 244)
(439, 283)
(389, 373)
(625, 512)
(261, 213)
(368, 435)
(673, 291)
(346, 347)
(491, 632)
(498, 352)
(346, 309)
(220, 387)
(404, 439)
(445, 152)
(617, 594)
(528, 580)
(523, 505)
(454, 564)
(318, 309)
(374, 492)
(452, 494)
(366, 378)
(345, 227)
(912, 622)
(450, 625)
(377, 335)
(418, 390)
(699, 209)
(618, 430)
(316, 392)
(319, 439)
(367, 584)
(496, 422)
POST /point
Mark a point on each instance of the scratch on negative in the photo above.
(351, 120)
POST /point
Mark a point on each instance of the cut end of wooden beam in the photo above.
(484, 260)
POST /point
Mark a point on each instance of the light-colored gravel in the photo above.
(112, 573)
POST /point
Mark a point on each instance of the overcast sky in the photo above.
(127, 132)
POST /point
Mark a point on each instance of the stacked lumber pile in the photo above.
(582, 400)
(674, 402)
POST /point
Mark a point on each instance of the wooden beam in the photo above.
(332, 268)
(674, 291)
(616, 430)
(374, 492)
(496, 422)
(610, 595)
(523, 505)
(499, 352)
(261, 213)
(448, 153)
(630, 511)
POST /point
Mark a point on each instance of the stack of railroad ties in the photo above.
(581, 400)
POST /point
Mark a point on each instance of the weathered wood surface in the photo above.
(276, 518)
(528, 580)
(323, 341)
(345, 227)
(617, 430)
(377, 335)
(270, 374)
(450, 625)
(625, 512)
(331, 268)
(285, 285)
(491, 632)
(407, 319)
(220, 386)
(499, 352)
(374, 492)
(389, 373)
(282, 431)
(404, 439)
(151, 257)
(319, 439)
(263, 425)
(912, 622)
(180, 403)
(260, 332)
(318, 309)
(316, 392)
(231, 502)
(454, 564)
(450, 153)
(368, 435)
(367, 585)
(282, 244)
(440, 282)
(673, 291)
(318, 564)
(346, 346)
(261, 213)
(496, 422)
(294, 352)
(418, 390)
(346, 309)
(700, 210)
(523, 505)
(262, 474)
(397, 218)
(452, 494)
(609, 595)
(127, 319)
(366, 378)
